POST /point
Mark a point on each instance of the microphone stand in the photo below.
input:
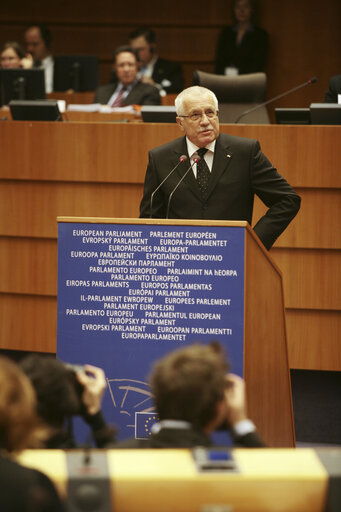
(311, 81)
(196, 159)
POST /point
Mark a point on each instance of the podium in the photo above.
(130, 290)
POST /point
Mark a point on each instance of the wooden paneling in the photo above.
(307, 156)
(314, 339)
(30, 208)
(266, 369)
(29, 266)
(28, 322)
(312, 278)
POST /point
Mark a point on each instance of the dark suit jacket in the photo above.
(240, 170)
(170, 71)
(186, 438)
(141, 94)
(24, 489)
(249, 57)
(333, 90)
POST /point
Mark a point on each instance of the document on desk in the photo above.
(97, 107)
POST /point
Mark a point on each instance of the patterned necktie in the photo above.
(203, 172)
(119, 98)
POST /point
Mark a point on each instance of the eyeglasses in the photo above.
(196, 116)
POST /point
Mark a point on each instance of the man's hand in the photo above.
(94, 383)
(147, 80)
(235, 399)
(27, 61)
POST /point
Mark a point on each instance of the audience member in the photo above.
(222, 186)
(63, 393)
(166, 75)
(21, 489)
(334, 89)
(38, 44)
(243, 47)
(12, 55)
(194, 395)
(127, 89)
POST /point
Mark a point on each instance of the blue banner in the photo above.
(128, 294)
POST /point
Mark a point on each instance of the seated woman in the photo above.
(12, 55)
(21, 488)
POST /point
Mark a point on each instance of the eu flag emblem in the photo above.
(143, 424)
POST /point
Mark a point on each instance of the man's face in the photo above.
(35, 44)
(126, 67)
(243, 11)
(143, 48)
(204, 130)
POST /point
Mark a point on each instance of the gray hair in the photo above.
(195, 90)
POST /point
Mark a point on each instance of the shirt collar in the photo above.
(175, 424)
(127, 87)
(192, 148)
(47, 61)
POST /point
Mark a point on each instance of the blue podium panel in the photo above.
(130, 293)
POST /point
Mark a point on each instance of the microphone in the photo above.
(182, 158)
(310, 81)
(196, 159)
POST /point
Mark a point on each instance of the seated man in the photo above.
(164, 74)
(127, 88)
(194, 396)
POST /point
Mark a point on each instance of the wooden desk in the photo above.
(167, 480)
(97, 170)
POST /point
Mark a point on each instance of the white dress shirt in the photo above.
(192, 148)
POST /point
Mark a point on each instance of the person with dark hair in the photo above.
(12, 55)
(38, 44)
(63, 392)
(195, 395)
(166, 75)
(126, 89)
(334, 90)
(21, 489)
(243, 47)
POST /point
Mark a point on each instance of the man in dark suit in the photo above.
(127, 89)
(38, 44)
(334, 89)
(194, 395)
(235, 169)
(166, 75)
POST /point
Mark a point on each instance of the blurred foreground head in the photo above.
(56, 388)
(188, 383)
(19, 424)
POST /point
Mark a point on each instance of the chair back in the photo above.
(236, 94)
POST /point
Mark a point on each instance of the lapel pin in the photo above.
(228, 155)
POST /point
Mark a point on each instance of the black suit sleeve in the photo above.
(168, 75)
(152, 97)
(276, 194)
